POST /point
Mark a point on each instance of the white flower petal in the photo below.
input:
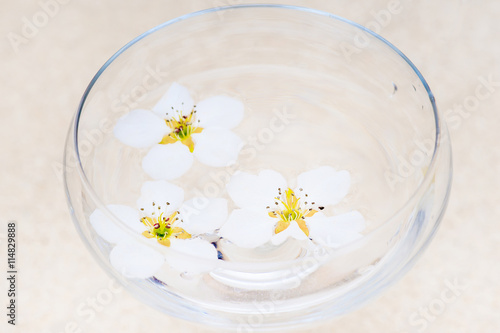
(219, 112)
(204, 215)
(140, 129)
(168, 161)
(292, 231)
(336, 231)
(196, 247)
(135, 260)
(178, 98)
(128, 215)
(111, 232)
(255, 192)
(217, 147)
(247, 228)
(324, 185)
(160, 192)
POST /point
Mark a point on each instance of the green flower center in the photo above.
(163, 228)
(288, 208)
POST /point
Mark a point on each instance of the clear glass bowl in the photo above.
(345, 97)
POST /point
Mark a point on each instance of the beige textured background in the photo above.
(453, 42)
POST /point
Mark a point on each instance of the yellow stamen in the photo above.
(182, 127)
(292, 210)
(163, 228)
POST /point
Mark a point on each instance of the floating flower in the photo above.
(176, 130)
(160, 217)
(270, 210)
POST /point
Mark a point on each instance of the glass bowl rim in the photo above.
(74, 129)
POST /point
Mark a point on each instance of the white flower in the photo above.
(272, 211)
(176, 129)
(160, 217)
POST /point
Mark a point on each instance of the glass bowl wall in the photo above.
(346, 98)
